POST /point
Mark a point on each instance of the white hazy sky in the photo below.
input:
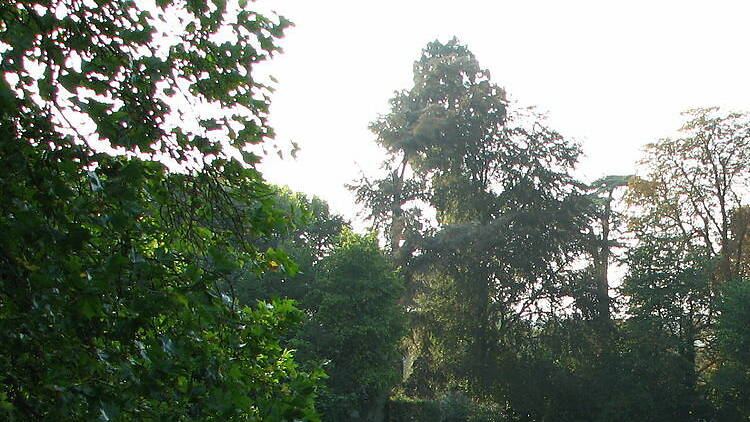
(611, 75)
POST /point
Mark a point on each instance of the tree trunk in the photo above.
(601, 267)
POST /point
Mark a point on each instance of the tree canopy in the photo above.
(110, 262)
(148, 272)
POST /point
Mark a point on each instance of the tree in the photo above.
(731, 381)
(602, 250)
(670, 303)
(109, 306)
(694, 185)
(349, 293)
(688, 224)
(509, 216)
(313, 233)
(356, 323)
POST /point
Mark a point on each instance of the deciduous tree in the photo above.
(109, 263)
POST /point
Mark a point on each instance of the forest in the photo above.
(149, 272)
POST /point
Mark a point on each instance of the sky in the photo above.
(612, 76)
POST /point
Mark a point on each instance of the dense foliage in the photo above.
(110, 262)
(355, 325)
(350, 293)
(509, 290)
(148, 272)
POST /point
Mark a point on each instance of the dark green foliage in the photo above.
(355, 325)
(350, 295)
(731, 382)
(146, 267)
(497, 311)
(312, 234)
(452, 407)
(511, 219)
(689, 229)
(413, 410)
(733, 326)
(510, 215)
(107, 308)
(110, 265)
